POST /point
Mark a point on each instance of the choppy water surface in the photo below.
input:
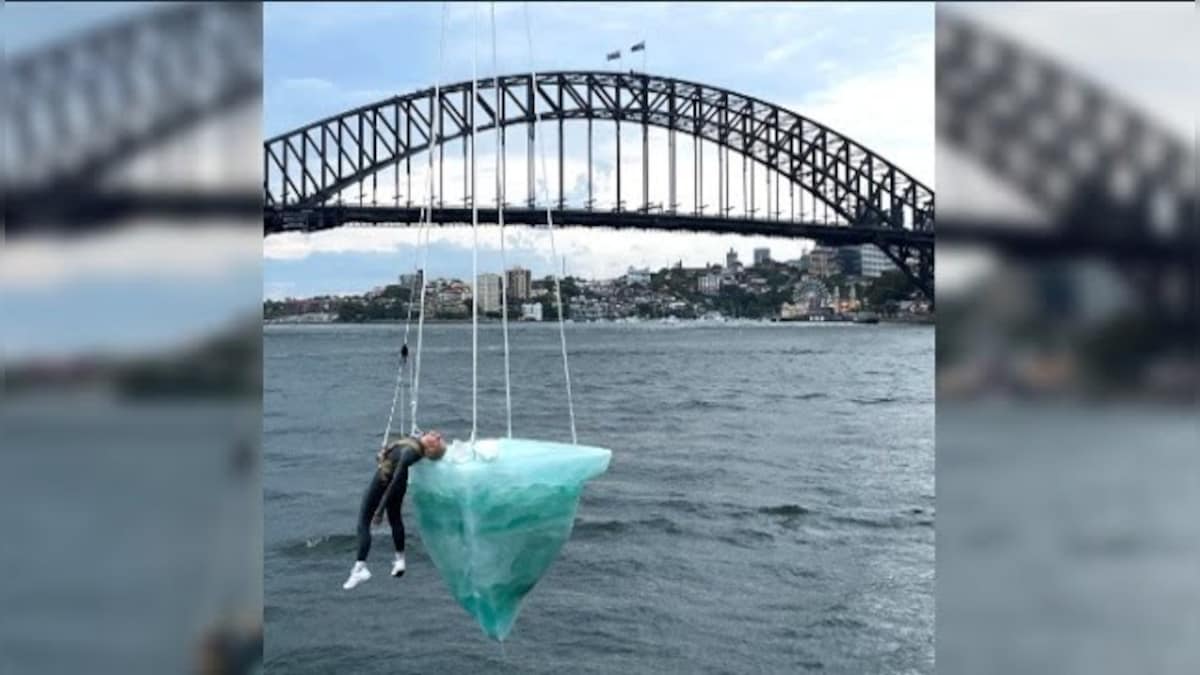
(769, 507)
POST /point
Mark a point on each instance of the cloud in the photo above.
(308, 84)
(596, 253)
(793, 46)
(889, 109)
(130, 290)
(781, 52)
(278, 290)
(143, 251)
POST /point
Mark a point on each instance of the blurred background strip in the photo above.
(130, 287)
(1067, 425)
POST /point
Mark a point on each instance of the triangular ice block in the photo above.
(493, 519)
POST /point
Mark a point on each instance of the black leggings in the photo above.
(370, 503)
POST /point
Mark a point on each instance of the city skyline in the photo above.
(491, 266)
(821, 286)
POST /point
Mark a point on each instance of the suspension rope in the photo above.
(562, 331)
(474, 228)
(387, 431)
(416, 386)
(500, 217)
(435, 134)
(398, 391)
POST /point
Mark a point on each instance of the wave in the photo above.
(270, 495)
(790, 510)
(801, 351)
(874, 400)
(895, 522)
(792, 573)
(687, 506)
(839, 622)
(827, 490)
(709, 404)
(747, 538)
(339, 543)
(606, 528)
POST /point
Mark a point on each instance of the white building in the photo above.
(865, 260)
(824, 262)
(731, 259)
(710, 284)
(762, 255)
(453, 293)
(489, 292)
(790, 312)
(873, 262)
(636, 276)
(531, 311)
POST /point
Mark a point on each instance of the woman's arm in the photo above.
(387, 493)
(407, 458)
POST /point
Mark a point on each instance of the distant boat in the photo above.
(866, 317)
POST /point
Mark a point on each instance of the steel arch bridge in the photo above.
(84, 106)
(313, 175)
(1111, 181)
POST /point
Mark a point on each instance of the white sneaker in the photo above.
(359, 574)
(398, 565)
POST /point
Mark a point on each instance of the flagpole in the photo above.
(640, 47)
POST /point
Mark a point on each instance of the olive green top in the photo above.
(404, 453)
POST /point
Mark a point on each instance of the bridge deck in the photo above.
(328, 217)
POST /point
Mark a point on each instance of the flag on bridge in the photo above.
(613, 56)
(639, 47)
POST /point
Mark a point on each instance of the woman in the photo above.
(385, 493)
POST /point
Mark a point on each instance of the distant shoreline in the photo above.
(267, 322)
(686, 322)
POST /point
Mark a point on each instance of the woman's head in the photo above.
(433, 444)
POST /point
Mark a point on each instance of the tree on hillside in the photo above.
(397, 291)
(890, 288)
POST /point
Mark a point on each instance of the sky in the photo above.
(865, 70)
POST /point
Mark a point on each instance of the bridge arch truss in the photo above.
(857, 195)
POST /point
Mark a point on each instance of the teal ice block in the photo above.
(494, 519)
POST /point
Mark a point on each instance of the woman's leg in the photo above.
(370, 502)
(395, 518)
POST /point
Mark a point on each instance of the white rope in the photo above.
(562, 331)
(500, 218)
(387, 431)
(398, 391)
(474, 230)
(416, 387)
(435, 134)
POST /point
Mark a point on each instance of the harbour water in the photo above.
(769, 506)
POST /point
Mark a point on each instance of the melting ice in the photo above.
(494, 517)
